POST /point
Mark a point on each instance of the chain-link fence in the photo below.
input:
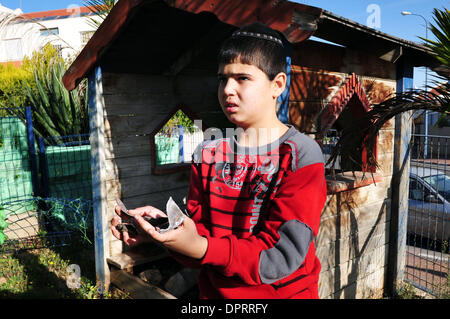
(427, 255)
(45, 186)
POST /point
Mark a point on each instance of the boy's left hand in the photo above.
(184, 240)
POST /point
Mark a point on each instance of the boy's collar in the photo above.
(258, 150)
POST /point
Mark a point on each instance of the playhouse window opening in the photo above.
(176, 141)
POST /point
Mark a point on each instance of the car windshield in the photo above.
(441, 183)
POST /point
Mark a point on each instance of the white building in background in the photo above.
(21, 34)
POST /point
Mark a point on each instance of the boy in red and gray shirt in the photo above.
(255, 196)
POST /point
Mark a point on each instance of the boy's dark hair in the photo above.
(258, 45)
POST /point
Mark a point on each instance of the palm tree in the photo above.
(436, 100)
(441, 46)
(100, 8)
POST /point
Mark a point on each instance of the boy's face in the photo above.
(246, 94)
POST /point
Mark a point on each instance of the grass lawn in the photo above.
(43, 273)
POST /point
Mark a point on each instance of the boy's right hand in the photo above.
(127, 237)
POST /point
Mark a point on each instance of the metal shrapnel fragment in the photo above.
(162, 224)
(175, 215)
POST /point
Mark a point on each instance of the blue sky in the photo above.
(390, 19)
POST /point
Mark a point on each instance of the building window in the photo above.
(13, 49)
(58, 48)
(174, 141)
(50, 31)
(86, 36)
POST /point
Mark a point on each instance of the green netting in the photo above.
(167, 149)
(66, 207)
(71, 189)
(15, 174)
(15, 185)
(69, 171)
(13, 135)
(66, 161)
(12, 161)
(69, 179)
(50, 223)
(69, 214)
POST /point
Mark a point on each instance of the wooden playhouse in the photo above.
(151, 58)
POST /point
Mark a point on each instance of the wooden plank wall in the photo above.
(135, 106)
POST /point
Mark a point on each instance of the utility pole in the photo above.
(405, 13)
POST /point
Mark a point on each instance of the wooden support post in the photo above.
(400, 184)
(98, 167)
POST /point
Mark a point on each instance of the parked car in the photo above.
(429, 203)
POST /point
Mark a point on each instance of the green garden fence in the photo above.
(45, 191)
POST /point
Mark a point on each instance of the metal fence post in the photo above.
(44, 167)
(32, 151)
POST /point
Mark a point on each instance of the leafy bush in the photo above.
(12, 77)
(11, 93)
(57, 111)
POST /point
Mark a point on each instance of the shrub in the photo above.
(11, 78)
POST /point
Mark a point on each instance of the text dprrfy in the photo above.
(245, 308)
